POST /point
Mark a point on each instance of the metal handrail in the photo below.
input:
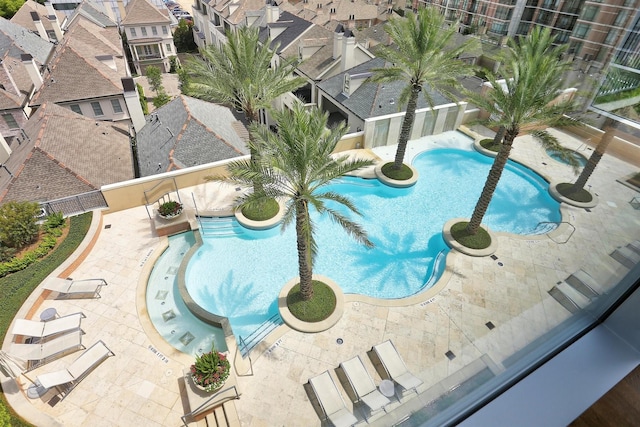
(195, 205)
(204, 405)
(558, 223)
(243, 343)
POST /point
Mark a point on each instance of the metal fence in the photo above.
(77, 204)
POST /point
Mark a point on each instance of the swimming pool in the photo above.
(555, 155)
(238, 273)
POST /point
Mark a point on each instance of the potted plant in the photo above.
(170, 209)
(210, 370)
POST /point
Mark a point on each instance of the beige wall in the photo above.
(130, 194)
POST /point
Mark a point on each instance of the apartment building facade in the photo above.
(592, 28)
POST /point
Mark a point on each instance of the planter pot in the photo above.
(171, 216)
(203, 389)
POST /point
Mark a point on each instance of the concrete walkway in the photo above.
(141, 385)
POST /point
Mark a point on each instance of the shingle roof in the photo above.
(143, 12)
(187, 132)
(12, 68)
(76, 73)
(92, 11)
(23, 16)
(66, 154)
(294, 27)
(372, 99)
(320, 38)
(17, 40)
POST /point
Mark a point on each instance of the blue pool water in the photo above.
(238, 273)
(582, 160)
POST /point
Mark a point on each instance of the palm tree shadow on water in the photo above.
(234, 300)
(399, 261)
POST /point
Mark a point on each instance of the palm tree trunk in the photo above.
(499, 135)
(593, 160)
(492, 182)
(305, 268)
(407, 126)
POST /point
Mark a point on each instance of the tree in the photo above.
(8, 8)
(525, 100)
(183, 37)
(240, 75)
(423, 58)
(293, 166)
(154, 77)
(18, 226)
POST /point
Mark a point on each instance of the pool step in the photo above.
(226, 226)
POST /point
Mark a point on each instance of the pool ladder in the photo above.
(254, 338)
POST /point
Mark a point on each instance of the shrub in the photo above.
(18, 226)
(143, 99)
(161, 99)
(54, 220)
(6, 253)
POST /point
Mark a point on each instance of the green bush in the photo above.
(18, 226)
(54, 220)
(143, 99)
(6, 253)
(20, 263)
(161, 99)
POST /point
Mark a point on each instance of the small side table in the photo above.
(48, 314)
(387, 388)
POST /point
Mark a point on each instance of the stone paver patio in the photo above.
(141, 384)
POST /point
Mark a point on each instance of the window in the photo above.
(581, 31)
(75, 108)
(11, 122)
(147, 50)
(97, 109)
(621, 18)
(589, 13)
(144, 31)
(154, 31)
(133, 32)
(115, 104)
(499, 28)
(168, 46)
(611, 37)
(503, 13)
(164, 30)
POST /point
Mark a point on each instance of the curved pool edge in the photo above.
(202, 314)
(149, 329)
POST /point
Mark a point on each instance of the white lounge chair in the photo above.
(66, 380)
(331, 401)
(75, 288)
(586, 284)
(34, 328)
(394, 366)
(44, 351)
(626, 257)
(363, 385)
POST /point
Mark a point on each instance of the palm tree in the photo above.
(421, 58)
(526, 100)
(293, 166)
(240, 74)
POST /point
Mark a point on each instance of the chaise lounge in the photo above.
(75, 288)
(331, 401)
(363, 385)
(394, 367)
(65, 380)
(37, 329)
(43, 352)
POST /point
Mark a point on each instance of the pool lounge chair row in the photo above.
(330, 400)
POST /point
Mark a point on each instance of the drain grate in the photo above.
(450, 355)
(108, 226)
(494, 257)
(490, 325)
